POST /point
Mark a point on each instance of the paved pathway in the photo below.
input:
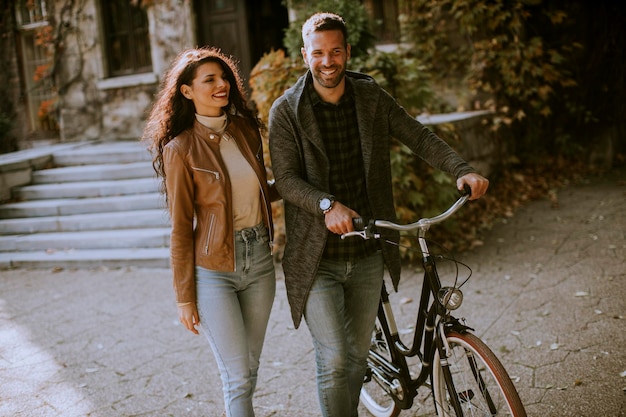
(547, 294)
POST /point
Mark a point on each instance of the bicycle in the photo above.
(465, 376)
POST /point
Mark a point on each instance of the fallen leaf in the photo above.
(581, 294)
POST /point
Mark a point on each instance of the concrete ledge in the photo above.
(478, 146)
(16, 168)
(35, 158)
(438, 119)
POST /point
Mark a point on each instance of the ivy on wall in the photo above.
(529, 62)
(8, 141)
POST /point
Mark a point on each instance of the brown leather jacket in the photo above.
(200, 200)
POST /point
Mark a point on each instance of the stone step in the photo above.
(118, 152)
(98, 206)
(70, 206)
(86, 189)
(94, 239)
(84, 259)
(133, 219)
(95, 172)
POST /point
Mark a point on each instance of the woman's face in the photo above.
(209, 90)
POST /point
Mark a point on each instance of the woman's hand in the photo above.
(188, 316)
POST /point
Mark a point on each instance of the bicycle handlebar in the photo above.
(363, 229)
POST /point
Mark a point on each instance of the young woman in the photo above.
(207, 149)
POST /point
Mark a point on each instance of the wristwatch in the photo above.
(326, 205)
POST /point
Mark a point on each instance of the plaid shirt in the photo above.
(339, 129)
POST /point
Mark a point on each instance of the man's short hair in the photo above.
(323, 21)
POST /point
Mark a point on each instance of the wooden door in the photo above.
(223, 23)
(245, 29)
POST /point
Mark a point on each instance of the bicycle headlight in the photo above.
(451, 298)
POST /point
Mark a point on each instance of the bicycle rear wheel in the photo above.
(375, 393)
(483, 386)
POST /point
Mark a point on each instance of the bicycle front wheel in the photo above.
(482, 385)
(380, 387)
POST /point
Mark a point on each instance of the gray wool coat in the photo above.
(301, 170)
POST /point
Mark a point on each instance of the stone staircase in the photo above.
(99, 206)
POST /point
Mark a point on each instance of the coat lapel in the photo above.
(303, 109)
(364, 108)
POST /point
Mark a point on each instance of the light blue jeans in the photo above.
(340, 313)
(234, 309)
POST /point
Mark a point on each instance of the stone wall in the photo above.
(478, 145)
(94, 106)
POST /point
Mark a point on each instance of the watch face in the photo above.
(325, 204)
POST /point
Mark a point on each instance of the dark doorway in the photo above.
(245, 29)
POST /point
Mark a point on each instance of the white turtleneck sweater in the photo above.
(245, 186)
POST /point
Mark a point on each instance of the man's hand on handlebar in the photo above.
(476, 182)
(339, 218)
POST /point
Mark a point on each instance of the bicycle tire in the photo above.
(500, 391)
(374, 396)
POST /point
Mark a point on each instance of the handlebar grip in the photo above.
(358, 223)
(467, 190)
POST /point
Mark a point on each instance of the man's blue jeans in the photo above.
(234, 309)
(340, 313)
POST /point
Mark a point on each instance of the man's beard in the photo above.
(332, 82)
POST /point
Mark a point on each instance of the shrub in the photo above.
(359, 35)
(8, 142)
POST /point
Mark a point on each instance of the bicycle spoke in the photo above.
(377, 394)
(480, 381)
(482, 386)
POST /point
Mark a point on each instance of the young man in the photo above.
(330, 136)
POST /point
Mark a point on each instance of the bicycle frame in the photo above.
(397, 370)
(425, 331)
(467, 376)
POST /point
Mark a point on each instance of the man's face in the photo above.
(326, 54)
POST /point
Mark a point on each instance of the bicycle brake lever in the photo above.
(363, 228)
(360, 233)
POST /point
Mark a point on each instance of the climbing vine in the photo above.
(522, 59)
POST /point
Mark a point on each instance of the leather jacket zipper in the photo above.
(209, 233)
(215, 173)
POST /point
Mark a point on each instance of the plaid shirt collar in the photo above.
(346, 100)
